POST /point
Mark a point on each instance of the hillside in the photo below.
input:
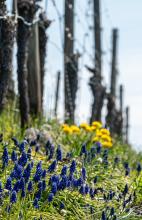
(58, 171)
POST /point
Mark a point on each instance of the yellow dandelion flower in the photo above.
(94, 128)
(98, 133)
(64, 125)
(105, 131)
(88, 129)
(75, 129)
(67, 130)
(106, 137)
(107, 144)
(95, 139)
(97, 124)
(83, 125)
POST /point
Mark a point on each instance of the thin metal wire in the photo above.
(21, 18)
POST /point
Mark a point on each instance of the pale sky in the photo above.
(127, 17)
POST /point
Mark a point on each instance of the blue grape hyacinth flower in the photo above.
(139, 168)
(64, 170)
(23, 159)
(62, 206)
(1, 187)
(83, 150)
(14, 156)
(27, 172)
(38, 194)
(51, 152)
(8, 184)
(17, 186)
(22, 183)
(5, 157)
(54, 188)
(35, 203)
(73, 166)
(83, 173)
(50, 197)
(59, 154)
(13, 198)
(43, 185)
(52, 167)
(30, 186)
(44, 174)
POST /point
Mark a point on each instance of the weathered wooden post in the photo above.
(121, 97)
(6, 51)
(57, 92)
(112, 113)
(70, 62)
(97, 88)
(36, 63)
(43, 25)
(14, 7)
(34, 78)
(26, 10)
(127, 124)
(121, 93)
(114, 62)
(97, 35)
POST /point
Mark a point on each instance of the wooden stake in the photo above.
(97, 35)
(68, 55)
(114, 62)
(113, 118)
(43, 24)
(121, 97)
(23, 34)
(127, 124)
(57, 92)
(14, 7)
(97, 88)
(34, 78)
(7, 33)
(121, 110)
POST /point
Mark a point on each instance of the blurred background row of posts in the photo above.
(26, 28)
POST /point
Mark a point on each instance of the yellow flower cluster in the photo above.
(95, 125)
(84, 126)
(70, 129)
(102, 135)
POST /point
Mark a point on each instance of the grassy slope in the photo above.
(110, 177)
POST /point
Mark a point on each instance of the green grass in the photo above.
(111, 177)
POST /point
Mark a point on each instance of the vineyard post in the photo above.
(127, 124)
(6, 53)
(2, 78)
(114, 117)
(121, 106)
(121, 97)
(68, 54)
(96, 80)
(34, 78)
(114, 73)
(114, 62)
(97, 35)
(57, 92)
(43, 24)
(26, 10)
(14, 7)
